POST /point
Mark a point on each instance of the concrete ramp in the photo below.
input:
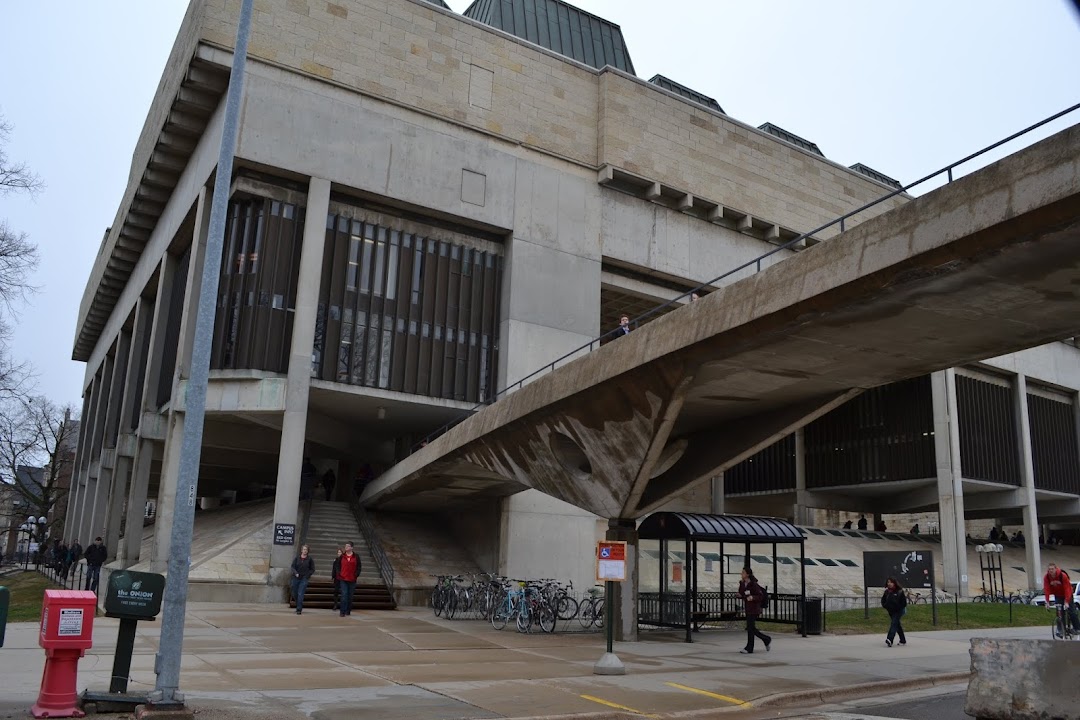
(984, 266)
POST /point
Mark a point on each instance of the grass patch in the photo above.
(27, 592)
(972, 616)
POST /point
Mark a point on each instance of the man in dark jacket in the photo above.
(96, 555)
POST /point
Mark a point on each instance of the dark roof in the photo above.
(879, 176)
(697, 526)
(559, 27)
(441, 4)
(30, 479)
(669, 84)
(791, 137)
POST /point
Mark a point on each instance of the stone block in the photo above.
(1023, 679)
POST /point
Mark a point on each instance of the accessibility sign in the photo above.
(610, 560)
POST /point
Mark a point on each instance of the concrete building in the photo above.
(425, 208)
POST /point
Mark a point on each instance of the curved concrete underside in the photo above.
(987, 265)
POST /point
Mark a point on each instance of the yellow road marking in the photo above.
(718, 696)
(617, 706)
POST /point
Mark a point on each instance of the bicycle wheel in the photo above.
(586, 613)
(524, 618)
(599, 611)
(437, 600)
(451, 605)
(547, 619)
(567, 607)
(501, 614)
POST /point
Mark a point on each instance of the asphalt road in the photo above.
(938, 707)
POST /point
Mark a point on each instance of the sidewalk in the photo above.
(267, 662)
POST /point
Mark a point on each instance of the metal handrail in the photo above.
(367, 529)
(947, 170)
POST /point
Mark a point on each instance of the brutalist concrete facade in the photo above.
(580, 186)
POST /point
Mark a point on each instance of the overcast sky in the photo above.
(905, 88)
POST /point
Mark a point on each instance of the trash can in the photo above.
(812, 615)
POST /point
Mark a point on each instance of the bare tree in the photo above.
(18, 260)
(37, 455)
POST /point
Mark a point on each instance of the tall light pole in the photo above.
(167, 666)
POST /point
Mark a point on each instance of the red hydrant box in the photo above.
(67, 620)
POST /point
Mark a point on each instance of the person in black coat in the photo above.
(334, 571)
(303, 567)
(894, 600)
(752, 594)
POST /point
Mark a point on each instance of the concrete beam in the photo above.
(711, 451)
(653, 192)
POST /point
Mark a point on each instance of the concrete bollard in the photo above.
(1023, 680)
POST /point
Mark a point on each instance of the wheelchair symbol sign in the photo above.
(605, 552)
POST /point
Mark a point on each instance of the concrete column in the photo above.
(136, 504)
(298, 383)
(949, 482)
(97, 433)
(802, 512)
(170, 468)
(1032, 551)
(107, 495)
(78, 478)
(114, 518)
(718, 498)
(625, 601)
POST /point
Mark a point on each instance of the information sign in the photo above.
(610, 560)
(134, 594)
(284, 534)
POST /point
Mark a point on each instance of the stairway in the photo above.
(333, 524)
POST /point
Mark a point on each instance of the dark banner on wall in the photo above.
(912, 569)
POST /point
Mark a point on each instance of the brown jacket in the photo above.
(752, 594)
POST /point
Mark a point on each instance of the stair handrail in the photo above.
(367, 529)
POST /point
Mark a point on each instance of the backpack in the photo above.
(764, 597)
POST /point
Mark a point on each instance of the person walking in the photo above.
(350, 570)
(335, 571)
(303, 567)
(750, 592)
(894, 600)
(96, 555)
(329, 480)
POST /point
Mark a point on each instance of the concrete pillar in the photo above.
(114, 518)
(802, 511)
(107, 494)
(78, 478)
(625, 600)
(949, 482)
(1032, 551)
(136, 503)
(170, 468)
(718, 500)
(97, 433)
(298, 382)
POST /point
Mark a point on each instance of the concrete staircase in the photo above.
(331, 525)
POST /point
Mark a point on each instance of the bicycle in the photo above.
(914, 598)
(1062, 628)
(591, 609)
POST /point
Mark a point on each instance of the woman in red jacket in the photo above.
(752, 594)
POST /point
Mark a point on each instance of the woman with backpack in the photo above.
(894, 600)
(752, 594)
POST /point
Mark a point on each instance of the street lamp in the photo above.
(992, 567)
(28, 526)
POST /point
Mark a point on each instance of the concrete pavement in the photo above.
(267, 662)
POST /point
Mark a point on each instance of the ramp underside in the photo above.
(982, 267)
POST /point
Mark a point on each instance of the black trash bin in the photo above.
(812, 615)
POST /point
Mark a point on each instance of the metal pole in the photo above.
(167, 665)
(609, 612)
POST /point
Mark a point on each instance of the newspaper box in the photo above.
(67, 632)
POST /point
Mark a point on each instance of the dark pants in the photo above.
(299, 587)
(345, 608)
(752, 632)
(92, 574)
(895, 628)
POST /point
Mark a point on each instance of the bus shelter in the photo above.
(698, 559)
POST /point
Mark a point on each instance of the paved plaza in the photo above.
(267, 662)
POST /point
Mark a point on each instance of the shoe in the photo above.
(341, 614)
(903, 642)
(744, 651)
(768, 646)
(298, 612)
(888, 643)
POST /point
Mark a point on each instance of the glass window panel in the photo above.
(392, 268)
(354, 261)
(371, 359)
(380, 262)
(289, 211)
(385, 360)
(330, 220)
(417, 274)
(365, 262)
(344, 352)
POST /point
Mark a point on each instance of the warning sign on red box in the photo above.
(610, 560)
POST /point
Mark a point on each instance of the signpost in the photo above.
(912, 569)
(610, 568)
(130, 596)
